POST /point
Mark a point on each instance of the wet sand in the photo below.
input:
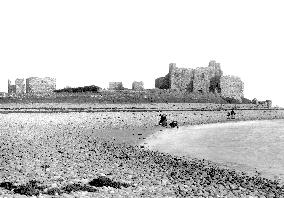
(248, 146)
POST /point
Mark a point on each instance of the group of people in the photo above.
(163, 119)
(231, 114)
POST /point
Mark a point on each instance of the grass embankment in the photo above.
(118, 97)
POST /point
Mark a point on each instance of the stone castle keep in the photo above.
(33, 85)
(202, 80)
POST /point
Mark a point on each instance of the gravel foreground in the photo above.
(80, 165)
(60, 155)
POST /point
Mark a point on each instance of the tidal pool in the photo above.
(244, 145)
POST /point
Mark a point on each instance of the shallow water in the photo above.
(245, 145)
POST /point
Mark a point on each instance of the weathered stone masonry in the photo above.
(138, 86)
(115, 86)
(33, 85)
(201, 80)
(18, 88)
(40, 85)
(180, 78)
(11, 88)
(232, 87)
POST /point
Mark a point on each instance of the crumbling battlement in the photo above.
(200, 80)
(232, 87)
(40, 85)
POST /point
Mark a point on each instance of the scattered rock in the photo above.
(78, 187)
(107, 182)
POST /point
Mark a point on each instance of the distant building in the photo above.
(115, 86)
(263, 104)
(33, 85)
(269, 103)
(18, 88)
(11, 88)
(201, 80)
(138, 86)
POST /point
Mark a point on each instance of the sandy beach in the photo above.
(62, 151)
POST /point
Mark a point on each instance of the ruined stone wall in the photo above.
(215, 74)
(11, 88)
(269, 103)
(180, 79)
(40, 85)
(159, 82)
(201, 81)
(20, 86)
(138, 86)
(207, 79)
(263, 104)
(162, 82)
(232, 87)
(115, 86)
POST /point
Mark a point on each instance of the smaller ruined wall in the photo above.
(115, 86)
(40, 85)
(138, 86)
(20, 86)
(269, 103)
(265, 104)
(232, 87)
(11, 88)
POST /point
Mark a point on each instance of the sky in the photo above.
(95, 42)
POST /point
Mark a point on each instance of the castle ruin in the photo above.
(115, 86)
(138, 86)
(40, 85)
(231, 87)
(201, 80)
(33, 85)
(18, 88)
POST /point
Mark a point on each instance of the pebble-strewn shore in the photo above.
(63, 152)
